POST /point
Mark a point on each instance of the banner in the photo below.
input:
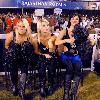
(53, 4)
(42, 4)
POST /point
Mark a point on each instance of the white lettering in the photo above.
(45, 3)
(51, 3)
(33, 3)
(28, 4)
(23, 3)
(42, 3)
(59, 4)
(39, 3)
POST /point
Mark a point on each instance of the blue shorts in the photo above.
(73, 58)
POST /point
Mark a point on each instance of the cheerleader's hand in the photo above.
(71, 40)
(47, 55)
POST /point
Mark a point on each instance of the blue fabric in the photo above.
(73, 58)
(73, 64)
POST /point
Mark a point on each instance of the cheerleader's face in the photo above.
(45, 28)
(21, 28)
(74, 20)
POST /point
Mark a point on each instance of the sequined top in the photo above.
(68, 45)
(71, 47)
(43, 48)
(12, 43)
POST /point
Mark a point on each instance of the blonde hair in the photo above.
(28, 30)
(39, 24)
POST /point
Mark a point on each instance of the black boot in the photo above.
(14, 79)
(50, 90)
(15, 90)
(22, 86)
(67, 86)
(75, 85)
(50, 84)
(42, 89)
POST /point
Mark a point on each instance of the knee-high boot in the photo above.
(67, 86)
(26, 52)
(42, 75)
(11, 60)
(42, 88)
(22, 86)
(76, 79)
(75, 85)
(50, 84)
(14, 79)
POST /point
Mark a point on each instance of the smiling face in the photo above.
(74, 20)
(21, 28)
(45, 28)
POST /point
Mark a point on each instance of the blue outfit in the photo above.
(72, 56)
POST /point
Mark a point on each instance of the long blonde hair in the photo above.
(28, 30)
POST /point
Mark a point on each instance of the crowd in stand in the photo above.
(10, 20)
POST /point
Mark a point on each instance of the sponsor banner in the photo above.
(42, 4)
(53, 4)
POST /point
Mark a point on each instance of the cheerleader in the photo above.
(71, 59)
(47, 57)
(20, 49)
